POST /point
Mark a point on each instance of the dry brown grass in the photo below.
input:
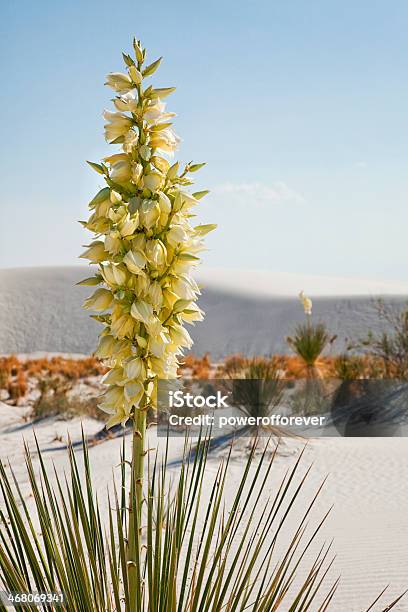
(54, 379)
(198, 367)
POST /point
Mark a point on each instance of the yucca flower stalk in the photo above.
(145, 250)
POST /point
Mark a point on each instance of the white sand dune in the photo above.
(284, 284)
(40, 310)
(367, 485)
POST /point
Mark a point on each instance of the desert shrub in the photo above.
(55, 399)
(390, 346)
(9, 367)
(348, 367)
(233, 366)
(18, 386)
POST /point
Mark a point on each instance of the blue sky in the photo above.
(299, 108)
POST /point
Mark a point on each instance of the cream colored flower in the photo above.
(149, 213)
(115, 197)
(112, 399)
(128, 225)
(166, 140)
(126, 103)
(306, 303)
(135, 261)
(156, 253)
(123, 326)
(176, 234)
(105, 347)
(114, 377)
(118, 125)
(119, 274)
(141, 311)
(119, 81)
(100, 300)
(164, 203)
(156, 295)
(113, 243)
(155, 114)
(153, 181)
(135, 369)
(185, 288)
(134, 392)
(179, 336)
(121, 171)
(129, 141)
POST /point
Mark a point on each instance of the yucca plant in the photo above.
(309, 342)
(145, 250)
(197, 552)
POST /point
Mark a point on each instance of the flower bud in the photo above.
(137, 170)
(144, 152)
(115, 197)
(135, 75)
(164, 203)
(96, 252)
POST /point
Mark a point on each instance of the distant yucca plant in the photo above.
(309, 341)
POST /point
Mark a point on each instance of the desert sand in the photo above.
(367, 484)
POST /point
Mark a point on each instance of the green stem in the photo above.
(134, 543)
